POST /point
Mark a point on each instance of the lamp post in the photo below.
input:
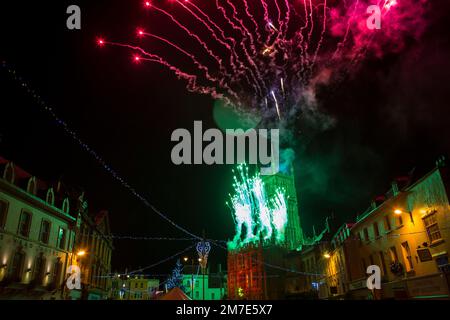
(203, 249)
(192, 275)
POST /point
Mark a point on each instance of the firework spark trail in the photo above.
(342, 43)
(252, 44)
(191, 34)
(267, 20)
(287, 17)
(321, 36)
(276, 104)
(234, 56)
(280, 22)
(302, 44)
(211, 32)
(258, 79)
(252, 19)
(312, 23)
(200, 66)
(247, 32)
(191, 79)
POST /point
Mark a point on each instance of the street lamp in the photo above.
(81, 253)
(186, 259)
(326, 255)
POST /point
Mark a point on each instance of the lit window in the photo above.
(431, 225)
(393, 254)
(24, 224)
(406, 251)
(61, 243)
(376, 230)
(366, 234)
(387, 223)
(399, 221)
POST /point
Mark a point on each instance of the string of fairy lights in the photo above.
(49, 110)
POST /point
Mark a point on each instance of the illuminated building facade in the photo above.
(93, 237)
(132, 287)
(215, 283)
(407, 236)
(36, 235)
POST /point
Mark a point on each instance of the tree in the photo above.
(176, 279)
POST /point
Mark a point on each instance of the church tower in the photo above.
(286, 181)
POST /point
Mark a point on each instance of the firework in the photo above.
(261, 217)
(250, 53)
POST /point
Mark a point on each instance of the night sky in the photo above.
(391, 116)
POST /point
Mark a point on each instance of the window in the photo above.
(399, 220)
(366, 234)
(142, 285)
(213, 296)
(24, 224)
(406, 251)
(31, 188)
(8, 174)
(197, 294)
(393, 254)
(65, 206)
(382, 262)
(376, 230)
(3, 213)
(45, 231)
(387, 223)
(432, 228)
(61, 242)
(50, 197)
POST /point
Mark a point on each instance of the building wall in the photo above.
(401, 237)
(54, 259)
(132, 288)
(197, 294)
(293, 232)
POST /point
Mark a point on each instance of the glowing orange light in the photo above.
(398, 211)
(81, 253)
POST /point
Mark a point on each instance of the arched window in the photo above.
(9, 173)
(50, 197)
(65, 206)
(31, 188)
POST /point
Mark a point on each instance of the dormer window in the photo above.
(65, 206)
(50, 197)
(9, 174)
(31, 188)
